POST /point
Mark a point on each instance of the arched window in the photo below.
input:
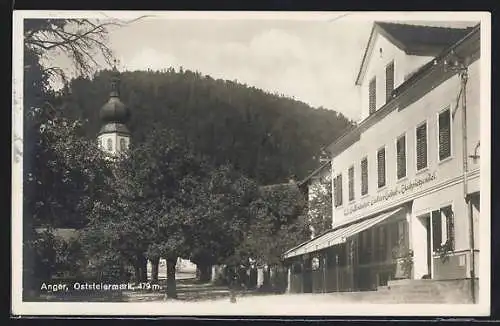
(110, 144)
(122, 144)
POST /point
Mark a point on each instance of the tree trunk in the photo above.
(141, 272)
(155, 262)
(204, 272)
(171, 286)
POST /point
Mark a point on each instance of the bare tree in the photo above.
(83, 41)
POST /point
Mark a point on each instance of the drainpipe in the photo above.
(464, 78)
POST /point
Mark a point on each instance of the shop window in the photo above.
(444, 127)
(315, 264)
(381, 253)
(342, 255)
(364, 176)
(421, 136)
(297, 268)
(365, 247)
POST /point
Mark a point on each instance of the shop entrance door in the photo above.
(423, 244)
(428, 229)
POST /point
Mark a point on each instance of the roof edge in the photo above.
(312, 174)
(365, 54)
(404, 86)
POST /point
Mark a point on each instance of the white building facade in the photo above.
(406, 178)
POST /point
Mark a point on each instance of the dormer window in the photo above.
(372, 95)
(389, 81)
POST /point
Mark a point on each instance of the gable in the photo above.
(381, 54)
(413, 40)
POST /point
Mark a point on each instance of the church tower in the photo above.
(114, 136)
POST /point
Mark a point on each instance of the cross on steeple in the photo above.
(115, 80)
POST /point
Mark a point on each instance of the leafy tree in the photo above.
(320, 204)
(62, 170)
(144, 215)
(279, 222)
(221, 213)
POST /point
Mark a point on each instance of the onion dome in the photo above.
(114, 111)
(114, 114)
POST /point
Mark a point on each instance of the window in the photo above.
(421, 136)
(444, 127)
(337, 185)
(401, 156)
(394, 235)
(443, 228)
(122, 144)
(364, 176)
(381, 249)
(364, 246)
(110, 144)
(389, 81)
(372, 95)
(381, 167)
(351, 183)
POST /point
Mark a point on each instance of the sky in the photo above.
(314, 60)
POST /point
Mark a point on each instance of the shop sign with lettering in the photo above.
(399, 190)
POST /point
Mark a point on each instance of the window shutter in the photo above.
(444, 135)
(351, 183)
(401, 157)
(389, 81)
(335, 190)
(364, 176)
(372, 96)
(422, 146)
(381, 167)
(339, 183)
(450, 225)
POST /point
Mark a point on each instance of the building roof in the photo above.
(113, 127)
(461, 45)
(412, 39)
(291, 186)
(314, 173)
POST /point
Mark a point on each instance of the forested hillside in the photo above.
(265, 136)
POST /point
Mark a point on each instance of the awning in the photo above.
(338, 235)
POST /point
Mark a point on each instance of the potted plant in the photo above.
(444, 250)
